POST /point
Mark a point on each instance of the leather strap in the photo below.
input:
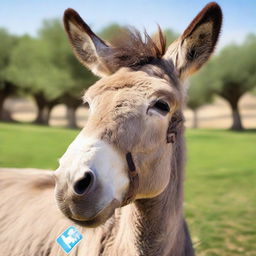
(174, 126)
(134, 180)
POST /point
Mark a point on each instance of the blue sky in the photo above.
(25, 16)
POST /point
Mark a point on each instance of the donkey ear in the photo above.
(89, 49)
(194, 47)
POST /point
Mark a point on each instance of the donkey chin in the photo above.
(90, 182)
(85, 212)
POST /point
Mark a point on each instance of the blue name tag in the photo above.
(69, 239)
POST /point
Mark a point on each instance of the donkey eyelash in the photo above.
(160, 106)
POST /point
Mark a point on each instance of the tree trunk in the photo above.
(46, 115)
(48, 111)
(41, 109)
(72, 103)
(233, 93)
(7, 90)
(71, 116)
(40, 115)
(195, 119)
(237, 123)
(2, 99)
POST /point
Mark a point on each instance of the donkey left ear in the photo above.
(90, 50)
(194, 47)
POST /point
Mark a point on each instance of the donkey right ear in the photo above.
(194, 47)
(89, 49)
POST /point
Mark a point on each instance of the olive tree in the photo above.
(34, 73)
(53, 35)
(199, 94)
(235, 75)
(7, 87)
(231, 74)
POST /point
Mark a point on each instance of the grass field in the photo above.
(220, 182)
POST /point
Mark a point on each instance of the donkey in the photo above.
(121, 180)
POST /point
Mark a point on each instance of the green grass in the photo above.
(220, 198)
(33, 146)
(221, 192)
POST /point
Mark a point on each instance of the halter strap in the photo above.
(175, 124)
(134, 180)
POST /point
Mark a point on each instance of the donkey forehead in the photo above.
(127, 83)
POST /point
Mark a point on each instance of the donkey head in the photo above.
(134, 109)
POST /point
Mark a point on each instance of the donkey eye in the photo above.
(161, 106)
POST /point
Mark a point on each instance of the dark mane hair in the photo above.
(134, 49)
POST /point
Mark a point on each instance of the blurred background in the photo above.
(41, 85)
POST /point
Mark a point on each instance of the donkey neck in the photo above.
(155, 226)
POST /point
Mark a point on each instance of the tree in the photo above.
(46, 68)
(32, 69)
(7, 88)
(83, 79)
(52, 33)
(235, 75)
(231, 74)
(198, 95)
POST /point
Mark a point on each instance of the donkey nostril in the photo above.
(84, 185)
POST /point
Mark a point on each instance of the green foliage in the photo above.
(62, 56)
(232, 72)
(111, 31)
(198, 92)
(170, 36)
(8, 42)
(53, 34)
(46, 64)
(236, 67)
(32, 70)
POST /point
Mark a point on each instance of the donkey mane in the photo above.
(135, 49)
